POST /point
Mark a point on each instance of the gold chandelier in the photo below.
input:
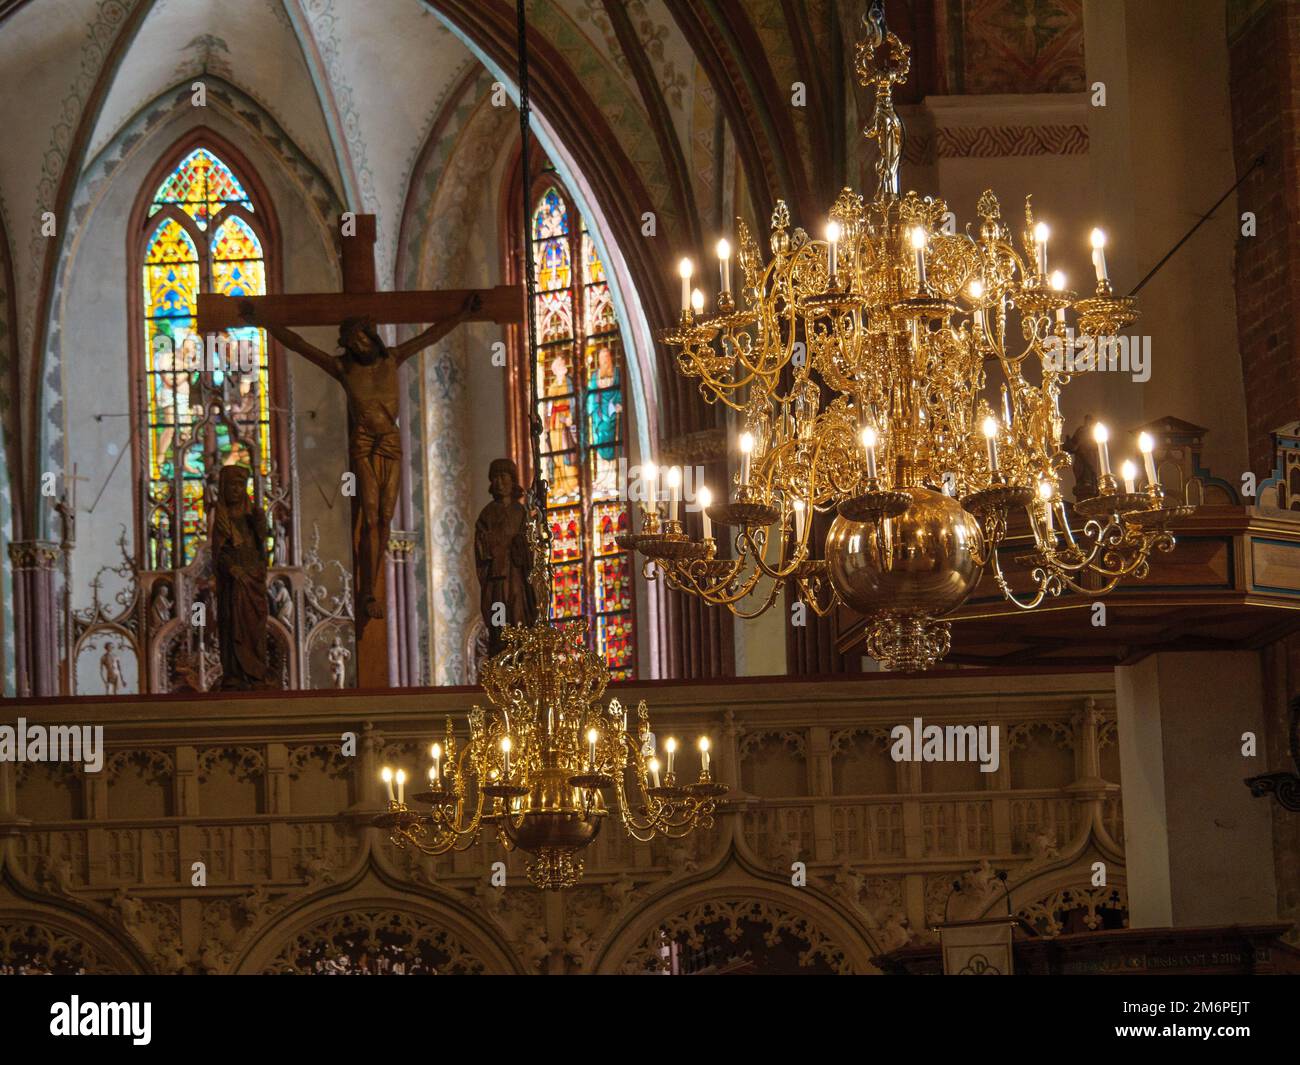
(546, 762)
(863, 367)
(540, 761)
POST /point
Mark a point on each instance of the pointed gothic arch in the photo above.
(222, 237)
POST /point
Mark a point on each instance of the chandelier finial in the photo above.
(883, 74)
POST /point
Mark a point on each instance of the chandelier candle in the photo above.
(869, 442)
(724, 265)
(686, 268)
(1058, 285)
(1098, 239)
(705, 499)
(833, 256)
(1147, 446)
(670, 748)
(919, 240)
(674, 491)
(746, 453)
(1045, 493)
(917, 323)
(1129, 472)
(704, 756)
(991, 435)
(1101, 435)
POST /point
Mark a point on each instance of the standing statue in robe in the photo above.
(503, 558)
(238, 543)
(367, 370)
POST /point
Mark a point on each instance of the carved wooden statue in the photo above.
(238, 541)
(502, 556)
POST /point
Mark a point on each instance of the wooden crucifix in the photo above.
(367, 370)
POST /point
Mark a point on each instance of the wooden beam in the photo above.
(503, 304)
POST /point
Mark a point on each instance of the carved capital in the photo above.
(35, 554)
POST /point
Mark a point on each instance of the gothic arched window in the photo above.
(205, 402)
(582, 403)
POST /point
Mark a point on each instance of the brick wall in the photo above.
(1265, 84)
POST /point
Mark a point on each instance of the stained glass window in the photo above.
(200, 238)
(581, 404)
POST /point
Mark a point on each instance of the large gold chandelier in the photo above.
(546, 762)
(864, 368)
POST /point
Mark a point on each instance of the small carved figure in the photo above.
(338, 657)
(282, 603)
(164, 607)
(281, 544)
(110, 669)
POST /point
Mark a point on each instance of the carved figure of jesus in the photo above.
(367, 370)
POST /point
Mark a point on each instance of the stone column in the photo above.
(36, 617)
(1198, 848)
(403, 621)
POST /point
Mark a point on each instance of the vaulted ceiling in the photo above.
(647, 95)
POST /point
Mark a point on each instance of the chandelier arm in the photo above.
(1005, 587)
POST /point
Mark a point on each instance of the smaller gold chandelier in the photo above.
(546, 764)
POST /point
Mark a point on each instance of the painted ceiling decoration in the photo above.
(644, 94)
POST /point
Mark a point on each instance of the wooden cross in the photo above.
(368, 373)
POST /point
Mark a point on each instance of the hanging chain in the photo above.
(541, 528)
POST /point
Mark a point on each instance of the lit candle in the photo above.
(1045, 493)
(919, 240)
(400, 777)
(869, 442)
(505, 756)
(592, 737)
(704, 756)
(1101, 434)
(436, 772)
(833, 234)
(746, 450)
(386, 775)
(1099, 255)
(670, 746)
(705, 499)
(991, 435)
(798, 507)
(1041, 232)
(674, 491)
(697, 301)
(1147, 446)
(724, 263)
(651, 474)
(1058, 285)
(653, 766)
(1128, 471)
(685, 268)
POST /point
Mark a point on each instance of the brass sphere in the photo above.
(922, 563)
